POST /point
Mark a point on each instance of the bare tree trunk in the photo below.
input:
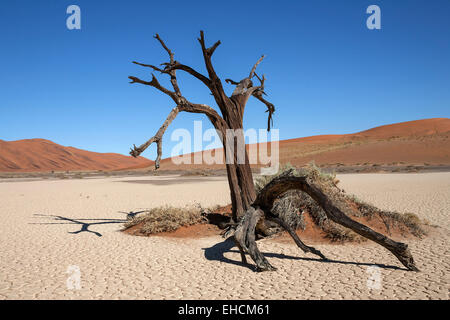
(240, 179)
(242, 190)
(245, 235)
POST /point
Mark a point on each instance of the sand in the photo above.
(38, 249)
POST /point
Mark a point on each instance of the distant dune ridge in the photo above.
(43, 155)
(413, 142)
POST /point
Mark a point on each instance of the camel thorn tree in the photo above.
(251, 212)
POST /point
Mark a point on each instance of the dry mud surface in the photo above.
(49, 226)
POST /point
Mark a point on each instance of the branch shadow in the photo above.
(368, 264)
(217, 251)
(84, 223)
(213, 253)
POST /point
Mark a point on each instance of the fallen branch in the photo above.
(262, 206)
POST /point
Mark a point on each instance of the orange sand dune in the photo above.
(413, 142)
(44, 155)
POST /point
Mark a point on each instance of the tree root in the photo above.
(244, 232)
(245, 237)
(300, 244)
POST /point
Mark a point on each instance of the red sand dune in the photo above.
(414, 142)
(44, 155)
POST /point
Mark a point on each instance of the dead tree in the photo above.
(232, 111)
(250, 212)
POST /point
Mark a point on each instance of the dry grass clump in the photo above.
(166, 219)
(294, 203)
(406, 222)
(312, 172)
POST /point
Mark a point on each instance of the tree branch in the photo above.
(207, 53)
(150, 66)
(165, 47)
(136, 151)
(155, 83)
(231, 82)
(191, 71)
(288, 181)
(213, 116)
(216, 85)
(258, 94)
(213, 48)
(172, 73)
(254, 66)
(270, 107)
(245, 88)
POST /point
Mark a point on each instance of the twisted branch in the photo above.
(245, 88)
(182, 104)
(136, 151)
(213, 116)
(215, 83)
(288, 181)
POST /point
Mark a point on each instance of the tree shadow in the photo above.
(217, 251)
(85, 223)
(132, 214)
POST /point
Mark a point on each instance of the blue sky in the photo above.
(326, 71)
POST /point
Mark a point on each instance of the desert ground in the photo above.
(49, 225)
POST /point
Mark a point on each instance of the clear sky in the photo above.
(326, 71)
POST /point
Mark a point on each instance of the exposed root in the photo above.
(245, 237)
(244, 232)
(300, 244)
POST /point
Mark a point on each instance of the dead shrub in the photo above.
(166, 219)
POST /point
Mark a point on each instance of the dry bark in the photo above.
(262, 207)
